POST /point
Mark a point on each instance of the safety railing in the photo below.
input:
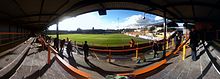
(9, 69)
(114, 51)
(169, 43)
(65, 65)
(155, 65)
(83, 75)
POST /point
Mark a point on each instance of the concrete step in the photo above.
(35, 66)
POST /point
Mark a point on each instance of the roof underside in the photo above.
(38, 14)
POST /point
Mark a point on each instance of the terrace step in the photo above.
(35, 66)
(202, 68)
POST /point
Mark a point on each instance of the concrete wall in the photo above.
(11, 28)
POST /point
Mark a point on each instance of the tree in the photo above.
(79, 29)
(93, 28)
(152, 28)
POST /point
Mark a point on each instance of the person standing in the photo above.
(193, 43)
(178, 40)
(86, 50)
(132, 43)
(155, 49)
(69, 48)
(62, 45)
(56, 42)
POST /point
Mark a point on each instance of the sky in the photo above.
(115, 19)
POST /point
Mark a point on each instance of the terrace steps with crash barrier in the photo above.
(11, 59)
(29, 64)
(36, 66)
(203, 68)
(156, 65)
(138, 49)
(147, 71)
(101, 68)
(128, 71)
(9, 40)
(20, 69)
(33, 64)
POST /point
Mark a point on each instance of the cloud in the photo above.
(84, 21)
(89, 20)
(158, 18)
(135, 21)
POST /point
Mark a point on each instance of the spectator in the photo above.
(62, 45)
(67, 39)
(75, 48)
(69, 48)
(86, 50)
(56, 42)
(132, 43)
(155, 49)
(177, 40)
(193, 43)
(41, 41)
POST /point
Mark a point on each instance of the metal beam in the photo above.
(165, 36)
(157, 6)
(57, 31)
(31, 24)
(175, 9)
(192, 3)
(102, 6)
(211, 11)
(34, 26)
(66, 2)
(19, 6)
(35, 22)
(181, 15)
(33, 15)
(5, 13)
(199, 19)
(41, 8)
(193, 9)
(76, 6)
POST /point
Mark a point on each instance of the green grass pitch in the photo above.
(101, 39)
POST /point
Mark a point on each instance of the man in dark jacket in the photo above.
(155, 48)
(56, 43)
(69, 48)
(86, 50)
(193, 43)
(177, 40)
(62, 42)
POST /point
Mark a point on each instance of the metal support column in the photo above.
(9, 30)
(165, 36)
(46, 32)
(57, 23)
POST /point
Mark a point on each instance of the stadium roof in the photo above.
(38, 14)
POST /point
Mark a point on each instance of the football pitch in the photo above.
(102, 39)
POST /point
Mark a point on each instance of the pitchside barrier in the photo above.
(116, 47)
(169, 43)
(156, 65)
(83, 75)
(169, 39)
(125, 47)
